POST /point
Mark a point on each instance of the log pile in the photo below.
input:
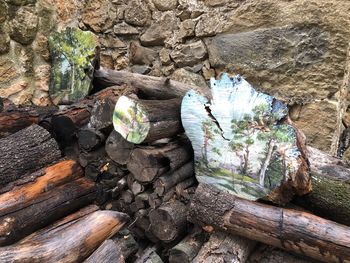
(69, 185)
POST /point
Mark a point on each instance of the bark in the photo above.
(149, 256)
(152, 87)
(330, 197)
(16, 119)
(169, 180)
(66, 243)
(101, 114)
(25, 151)
(118, 149)
(222, 247)
(126, 242)
(90, 139)
(145, 121)
(168, 222)
(289, 229)
(187, 249)
(45, 208)
(106, 253)
(148, 163)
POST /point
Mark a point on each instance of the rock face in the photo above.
(189, 54)
(99, 15)
(165, 5)
(243, 142)
(72, 52)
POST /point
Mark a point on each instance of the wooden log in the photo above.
(292, 230)
(152, 87)
(171, 179)
(44, 180)
(101, 114)
(14, 119)
(182, 186)
(221, 246)
(86, 158)
(90, 139)
(142, 121)
(45, 208)
(330, 197)
(187, 249)
(118, 149)
(67, 243)
(149, 256)
(121, 185)
(168, 222)
(126, 242)
(25, 151)
(148, 163)
(106, 253)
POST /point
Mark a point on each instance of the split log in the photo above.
(187, 249)
(149, 256)
(67, 243)
(330, 197)
(288, 229)
(15, 119)
(44, 180)
(102, 113)
(44, 209)
(152, 87)
(142, 121)
(126, 242)
(25, 151)
(106, 253)
(118, 149)
(168, 222)
(169, 180)
(90, 139)
(148, 163)
(228, 248)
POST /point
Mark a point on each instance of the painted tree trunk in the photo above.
(142, 121)
(25, 151)
(288, 229)
(266, 163)
(67, 243)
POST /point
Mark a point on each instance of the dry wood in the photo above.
(148, 163)
(25, 151)
(118, 149)
(15, 119)
(187, 249)
(149, 256)
(67, 242)
(45, 208)
(121, 185)
(101, 114)
(169, 180)
(168, 222)
(152, 87)
(142, 121)
(90, 139)
(108, 252)
(291, 230)
(126, 242)
(86, 158)
(223, 247)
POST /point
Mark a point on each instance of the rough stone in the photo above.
(21, 2)
(216, 3)
(189, 54)
(41, 46)
(3, 11)
(109, 41)
(72, 52)
(47, 19)
(164, 56)
(168, 70)
(165, 5)
(25, 58)
(141, 69)
(41, 98)
(13, 89)
(23, 97)
(140, 55)
(320, 131)
(99, 15)
(187, 29)
(4, 43)
(125, 29)
(211, 24)
(137, 13)
(42, 77)
(8, 70)
(188, 77)
(24, 26)
(160, 30)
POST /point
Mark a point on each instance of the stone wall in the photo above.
(295, 50)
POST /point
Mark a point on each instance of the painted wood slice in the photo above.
(244, 142)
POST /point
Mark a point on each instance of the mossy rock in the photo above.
(21, 2)
(3, 11)
(72, 52)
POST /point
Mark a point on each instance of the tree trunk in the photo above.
(25, 151)
(15, 119)
(148, 163)
(222, 247)
(141, 121)
(187, 249)
(45, 208)
(330, 197)
(66, 243)
(108, 252)
(152, 87)
(291, 230)
(168, 222)
(118, 149)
